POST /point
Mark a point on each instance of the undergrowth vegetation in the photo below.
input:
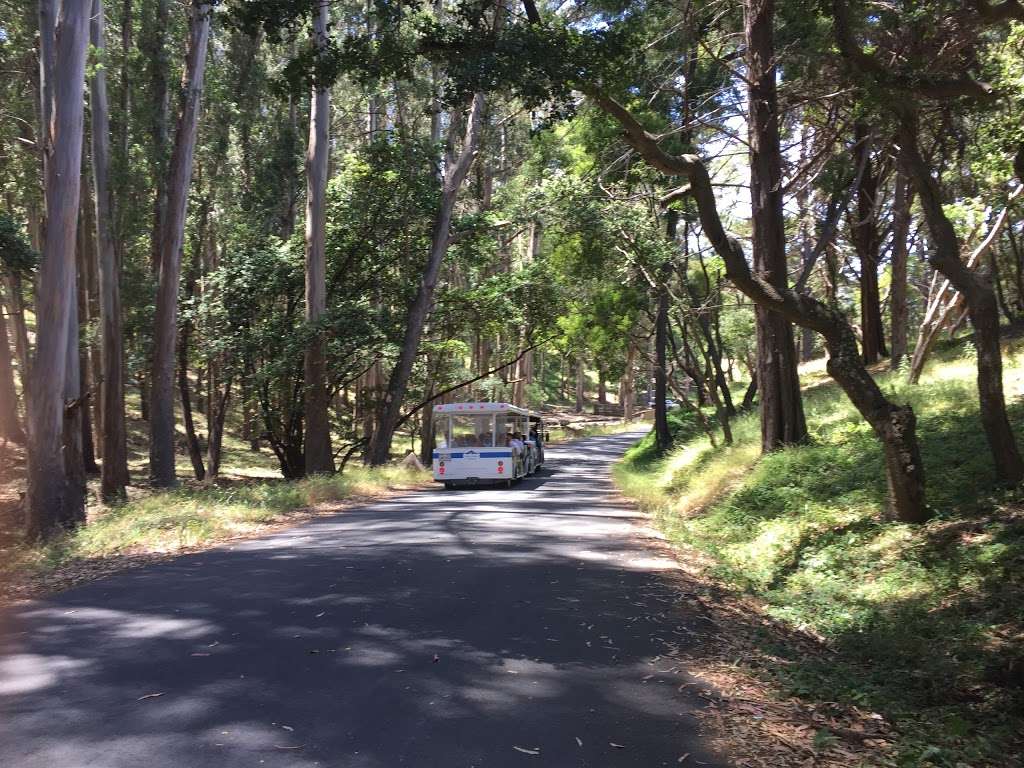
(924, 623)
(193, 516)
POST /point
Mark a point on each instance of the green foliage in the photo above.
(16, 255)
(922, 620)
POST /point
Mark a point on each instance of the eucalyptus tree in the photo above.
(114, 471)
(161, 422)
(51, 503)
(317, 450)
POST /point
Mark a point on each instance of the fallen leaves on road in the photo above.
(149, 696)
(525, 751)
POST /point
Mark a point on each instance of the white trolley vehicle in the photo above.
(478, 443)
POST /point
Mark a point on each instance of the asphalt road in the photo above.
(485, 628)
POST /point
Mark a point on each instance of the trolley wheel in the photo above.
(449, 486)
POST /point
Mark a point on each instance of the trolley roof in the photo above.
(484, 408)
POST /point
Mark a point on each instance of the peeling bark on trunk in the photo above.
(319, 458)
(51, 502)
(455, 173)
(161, 421)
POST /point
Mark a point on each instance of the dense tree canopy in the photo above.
(548, 204)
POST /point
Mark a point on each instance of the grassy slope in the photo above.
(927, 622)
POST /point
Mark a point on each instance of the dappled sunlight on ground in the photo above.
(444, 628)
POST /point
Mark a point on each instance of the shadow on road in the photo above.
(477, 628)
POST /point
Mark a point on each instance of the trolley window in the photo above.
(467, 431)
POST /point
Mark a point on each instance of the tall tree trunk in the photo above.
(976, 288)
(47, 63)
(782, 412)
(10, 422)
(161, 421)
(51, 503)
(898, 310)
(195, 450)
(581, 384)
(805, 220)
(218, 387)
(868, 244)
(126, 79)
(319, 457)
(1018, 268)
(159, 68)
(114, 472)
(16, 307)
(427, 435)
(662, 433)
(217, 411)
(75, 406)
(85, 388)
(455, 174)
(250, 430)
(894, 426)
(627, 387)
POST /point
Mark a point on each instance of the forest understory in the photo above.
(840, 632)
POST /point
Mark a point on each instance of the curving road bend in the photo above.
(485, 628)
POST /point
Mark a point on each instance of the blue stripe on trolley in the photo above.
(478, 454)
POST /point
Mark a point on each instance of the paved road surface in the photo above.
(437, 629)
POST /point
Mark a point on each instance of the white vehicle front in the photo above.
(480, 443)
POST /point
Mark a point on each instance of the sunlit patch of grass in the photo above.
(924, 621)
(561, 434)
(187, 518)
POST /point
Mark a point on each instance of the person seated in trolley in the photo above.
(484, 442)
(518, 449)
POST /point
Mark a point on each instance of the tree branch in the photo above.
(940, 88)
(466, 383)
(993, 13)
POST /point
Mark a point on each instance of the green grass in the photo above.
(562, 434)
(926, 621)
(191, 517)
